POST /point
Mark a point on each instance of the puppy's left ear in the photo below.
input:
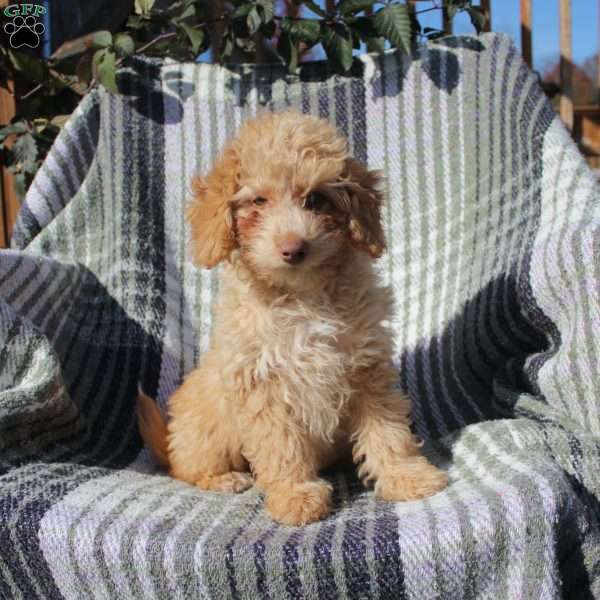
(366, 198)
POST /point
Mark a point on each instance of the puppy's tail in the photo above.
(153, 428)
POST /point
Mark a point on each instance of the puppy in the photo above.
(299, 372)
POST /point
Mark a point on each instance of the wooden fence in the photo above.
(582, 121)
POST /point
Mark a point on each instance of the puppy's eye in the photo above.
(315, 201)
(259, 201)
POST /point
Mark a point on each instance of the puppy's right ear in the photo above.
(210, 214)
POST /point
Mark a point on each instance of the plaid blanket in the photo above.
(494, 254)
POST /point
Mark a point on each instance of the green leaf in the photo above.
(163, 48)
(189, 11)
(347, 7)
(124, 44)
(266, 10)
(477, 18)
(375, 44)
(242, 11)
(337, 42)
(143, 7)
(101, 39)
(107, 71)
(196, 36)
(72, 48)
(288, 50)
(253, 21)
(18, 127)
(135, 22)
(393, 23)
(30, 66)
(364, 28)
(20, 185)
(227, 46)
(305, 30)
(26, 152)
(39, 124)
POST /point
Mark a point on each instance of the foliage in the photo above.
(183, 31)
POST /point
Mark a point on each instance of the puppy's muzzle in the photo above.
(293, 250)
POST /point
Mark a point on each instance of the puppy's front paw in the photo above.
(234, 481)
(413, 479)
(299, 503)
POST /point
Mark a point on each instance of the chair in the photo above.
(492, 223)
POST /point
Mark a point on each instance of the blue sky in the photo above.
(505, 18)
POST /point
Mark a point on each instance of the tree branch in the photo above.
(202, 24)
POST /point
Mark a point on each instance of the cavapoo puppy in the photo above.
(299, 372)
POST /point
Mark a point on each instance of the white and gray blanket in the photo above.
(493, 223)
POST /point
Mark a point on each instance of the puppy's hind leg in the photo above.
(204, 447)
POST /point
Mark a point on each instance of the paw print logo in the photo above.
(24, 31)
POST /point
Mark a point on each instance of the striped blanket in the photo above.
(494, 254)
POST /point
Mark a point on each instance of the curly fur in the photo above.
(299, 373)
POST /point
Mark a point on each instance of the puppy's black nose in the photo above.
(293, 250)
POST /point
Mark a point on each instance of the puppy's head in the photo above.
(286, 194)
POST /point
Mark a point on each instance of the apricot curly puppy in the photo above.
(299, 371)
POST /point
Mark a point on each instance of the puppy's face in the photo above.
(286, 195)
(284, 232)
